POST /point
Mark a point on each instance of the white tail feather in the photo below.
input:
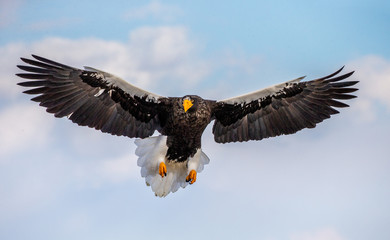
(151, 152)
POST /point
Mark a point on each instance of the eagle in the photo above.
(171, 160)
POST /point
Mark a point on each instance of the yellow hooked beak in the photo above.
(187, 104)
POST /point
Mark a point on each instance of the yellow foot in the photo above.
(162, 170)
(191, 177)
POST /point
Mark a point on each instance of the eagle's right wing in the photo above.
(92, 98)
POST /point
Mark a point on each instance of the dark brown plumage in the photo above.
(102, 101)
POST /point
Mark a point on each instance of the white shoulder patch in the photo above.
(249, 97)
(101, 90)
(124, 85)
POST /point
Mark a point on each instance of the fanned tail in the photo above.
(151, 151)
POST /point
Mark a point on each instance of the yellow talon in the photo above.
(162, 169)
(191, 177)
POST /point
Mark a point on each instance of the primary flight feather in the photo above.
(100, 100)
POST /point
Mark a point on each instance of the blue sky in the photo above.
(62, 181)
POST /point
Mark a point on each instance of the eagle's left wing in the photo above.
(281, 109)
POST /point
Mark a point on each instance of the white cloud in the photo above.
(56, 23)
(151, 57)
(31, 186)
(120, 169)
(237, 59)
(154, 9)
(10, 58)
(373, 72)
(168, 52)
(154, 58)
(161, 46)
(110, 170)
(322, 234)
(8, 11)
(22, 126)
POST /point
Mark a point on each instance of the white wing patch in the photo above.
(151, 151)
(124, 85)
(246, 98)
(101, 90)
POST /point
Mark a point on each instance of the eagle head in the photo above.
(190, 103)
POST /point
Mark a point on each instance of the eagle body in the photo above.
(184, 129)
(100, 100)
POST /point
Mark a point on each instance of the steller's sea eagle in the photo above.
(105, 102)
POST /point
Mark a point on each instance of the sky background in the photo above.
(62, 181)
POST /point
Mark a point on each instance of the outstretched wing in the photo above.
(92, 98)
(281, 109)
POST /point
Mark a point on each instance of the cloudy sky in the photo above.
(62, 181)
